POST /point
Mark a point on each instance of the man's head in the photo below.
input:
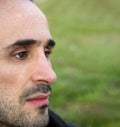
(25, 69)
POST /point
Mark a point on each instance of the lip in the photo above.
(39, 100)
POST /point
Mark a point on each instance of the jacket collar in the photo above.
(55, 120)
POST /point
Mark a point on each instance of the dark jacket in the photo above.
(56, 121)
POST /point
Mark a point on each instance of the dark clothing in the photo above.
(56, 121)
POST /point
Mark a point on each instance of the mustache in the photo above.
(39, 88)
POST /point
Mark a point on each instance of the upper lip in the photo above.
(39, 96)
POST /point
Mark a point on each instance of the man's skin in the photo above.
(25, 69)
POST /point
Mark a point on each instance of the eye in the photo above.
(47, 53)
(22, 55)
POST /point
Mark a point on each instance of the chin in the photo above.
(43, 109)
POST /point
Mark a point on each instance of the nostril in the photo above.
(42, 81)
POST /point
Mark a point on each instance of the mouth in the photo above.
(39, 100)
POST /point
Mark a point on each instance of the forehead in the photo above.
(21, 19)
(19, 11)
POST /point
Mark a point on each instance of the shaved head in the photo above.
(16, 17)
(25, 69)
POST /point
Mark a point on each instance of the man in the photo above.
(25, 70)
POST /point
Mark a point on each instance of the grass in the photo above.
(86, 60)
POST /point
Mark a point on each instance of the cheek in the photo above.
(7, 85)
(10, 84)
(7, 77)
(12, 78)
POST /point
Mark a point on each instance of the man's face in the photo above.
(25, 70)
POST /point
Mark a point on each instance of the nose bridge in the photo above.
(43, 70)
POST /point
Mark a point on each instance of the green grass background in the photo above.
(86, 60)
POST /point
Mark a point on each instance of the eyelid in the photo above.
(20, 51)
(47, 52)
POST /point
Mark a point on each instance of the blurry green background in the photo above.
(86, 60)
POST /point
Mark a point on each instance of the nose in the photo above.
(43, 72)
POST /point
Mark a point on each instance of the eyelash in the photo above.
(22, 55)
(47, 53)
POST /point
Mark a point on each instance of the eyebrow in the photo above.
(51, 43)
(28, 42)
(22, 43)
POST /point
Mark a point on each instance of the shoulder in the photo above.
(56, 121)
